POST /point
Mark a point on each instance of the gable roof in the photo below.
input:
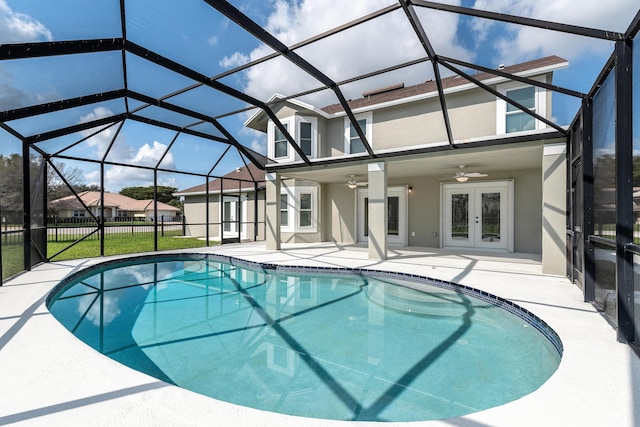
(111, 200)
(399, 92)
(246, 175)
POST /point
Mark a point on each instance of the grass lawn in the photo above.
(118, 245)
(12, 259)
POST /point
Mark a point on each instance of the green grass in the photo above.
(12, 259)
(118, 245)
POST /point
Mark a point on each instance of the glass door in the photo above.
(476, 215)
(396, 215)
(231, 215)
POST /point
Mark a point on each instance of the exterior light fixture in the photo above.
(410, 189)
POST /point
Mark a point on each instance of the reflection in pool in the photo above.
(365, 346)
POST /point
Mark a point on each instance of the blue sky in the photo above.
(197, 36)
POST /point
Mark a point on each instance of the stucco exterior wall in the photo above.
(340, 214)
(424, 210)
(195, 215)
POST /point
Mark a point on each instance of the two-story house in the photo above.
(499, 186)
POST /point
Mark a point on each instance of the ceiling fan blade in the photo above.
(475, 174)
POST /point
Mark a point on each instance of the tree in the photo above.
(74, 177)
(11, 192)
(165, 194)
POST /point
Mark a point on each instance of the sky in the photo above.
(197, 36)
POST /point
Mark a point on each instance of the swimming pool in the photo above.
(323, 343)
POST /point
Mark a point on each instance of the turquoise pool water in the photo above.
(322, 345)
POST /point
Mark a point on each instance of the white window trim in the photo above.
(293, 202)
(368, 131)
(314, 134)
(291, 212)
(501, 105)
(271, 135)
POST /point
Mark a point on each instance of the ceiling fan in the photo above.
(353, 184)
(462, 176)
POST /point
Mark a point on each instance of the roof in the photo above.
(243, 177)
(111, 200)
(399, 91)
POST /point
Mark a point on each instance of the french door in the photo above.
(478, 215)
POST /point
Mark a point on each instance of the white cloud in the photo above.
(518, 43)
(16, 27)
(387, 41)
(212, 41)
(234, 60)
(259, 145)
(117, 177)
(100, 142)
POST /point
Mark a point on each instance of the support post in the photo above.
(624, 192)
(377, 211)
(273, 184)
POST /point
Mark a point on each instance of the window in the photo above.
(305, 210)
(121, 213)
(280, 143)
(516, 119)
(305, 138)
(298, 207)
(510, 118)
(78, 213)
(353, 143)
(284, 210)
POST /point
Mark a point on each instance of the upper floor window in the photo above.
(516, 119)
(305, 137)
(353, 142)
(280, 143)
(510, 118)
(303, 130)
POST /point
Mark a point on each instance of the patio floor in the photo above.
(49, 377)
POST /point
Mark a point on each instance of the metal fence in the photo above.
(72, 229)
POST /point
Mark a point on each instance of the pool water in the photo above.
(334, 346)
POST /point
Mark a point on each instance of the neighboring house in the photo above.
(115, 206)
(242, 210)
(515, 202)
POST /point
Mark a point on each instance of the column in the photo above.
(377, 211)
(554, 201)
(272, 182)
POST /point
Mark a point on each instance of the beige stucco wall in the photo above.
(424, 210)
(472, 114)
(195, 215)
(339, 212)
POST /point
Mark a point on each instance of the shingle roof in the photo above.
(111, 200)
(246, 173)
(397, 92)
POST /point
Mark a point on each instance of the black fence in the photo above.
(71, 229)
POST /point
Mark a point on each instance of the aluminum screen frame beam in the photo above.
(521, 20)
(268, 39)
(415, 22)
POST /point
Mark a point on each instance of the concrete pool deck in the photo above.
(48, 377)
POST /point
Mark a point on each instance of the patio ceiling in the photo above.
(111, 70)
